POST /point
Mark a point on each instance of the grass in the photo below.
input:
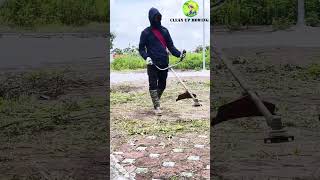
(137, 127)
(22, 112)
(193, 61)
(314, 71)
(28, 116)
(131, 111)
(95, 27)
(35, 13)
(120, 98)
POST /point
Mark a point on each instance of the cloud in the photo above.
(129, 18)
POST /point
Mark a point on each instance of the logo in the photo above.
(190, 8)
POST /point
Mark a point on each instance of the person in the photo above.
(191, 10)
(155, 41)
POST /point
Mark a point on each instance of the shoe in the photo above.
(158, 111)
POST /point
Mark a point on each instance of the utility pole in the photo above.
(301, 13)
(203, 41)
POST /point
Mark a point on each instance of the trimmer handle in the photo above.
(183, 55)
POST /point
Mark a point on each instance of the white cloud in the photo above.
(129, 18)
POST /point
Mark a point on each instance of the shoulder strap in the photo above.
(160, 37)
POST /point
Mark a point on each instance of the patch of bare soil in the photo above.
(288, 77)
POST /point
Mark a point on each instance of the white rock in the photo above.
(184, 139)
(199, 146)
(141, 170)
(154, 155)
(194, 158)
(128, 161)
(187, 174)
(152, 137)
(202, 136)
(168, 164)
(141, 148)
(177, 150)
(118, 153)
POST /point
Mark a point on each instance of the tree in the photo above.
(117, 51)
(112, 37)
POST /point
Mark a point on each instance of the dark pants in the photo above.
(157, 78)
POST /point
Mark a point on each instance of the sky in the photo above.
(130, 17)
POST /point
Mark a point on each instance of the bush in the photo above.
(193, 61)
(126, 62)
(281, 23)
(313, 19)
(30, 13)
(237, 13)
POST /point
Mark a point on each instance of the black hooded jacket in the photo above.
(150, 46)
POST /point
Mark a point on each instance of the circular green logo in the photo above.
(190, 8)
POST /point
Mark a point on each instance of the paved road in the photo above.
(34, 50)
(117, 77)
(299, 37)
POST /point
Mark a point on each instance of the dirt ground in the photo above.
(53, 121)
(283, 68)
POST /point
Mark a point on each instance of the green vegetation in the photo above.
(137, 127)
(313, 71)
(312, 12)
(24, 111)
(279, 13)
(34, 13)
(237, 13)
(131, 61)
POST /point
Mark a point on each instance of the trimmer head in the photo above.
(278, 136)
(242, 107)
(196, 103)
(185, 95)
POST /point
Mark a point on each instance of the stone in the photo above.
(193, 158)
(154, 155)
(208, 167)
(128, 161)
(176, 150)
(152, 137)
(187, 174)
(141, 170)
(168, 164)
(202, 136)
(141, 148)
(118, 153)
(184, 139)
(200, 146)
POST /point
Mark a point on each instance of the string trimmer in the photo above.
(251, 105)
(187, 94)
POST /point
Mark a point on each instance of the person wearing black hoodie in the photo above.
(153, 45)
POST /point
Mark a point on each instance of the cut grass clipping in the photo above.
(193, 61)
(138, 127)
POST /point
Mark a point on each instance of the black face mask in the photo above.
(157, 20)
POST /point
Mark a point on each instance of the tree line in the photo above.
(237, 13)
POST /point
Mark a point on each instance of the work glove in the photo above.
(183, 54)
(149, 61)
